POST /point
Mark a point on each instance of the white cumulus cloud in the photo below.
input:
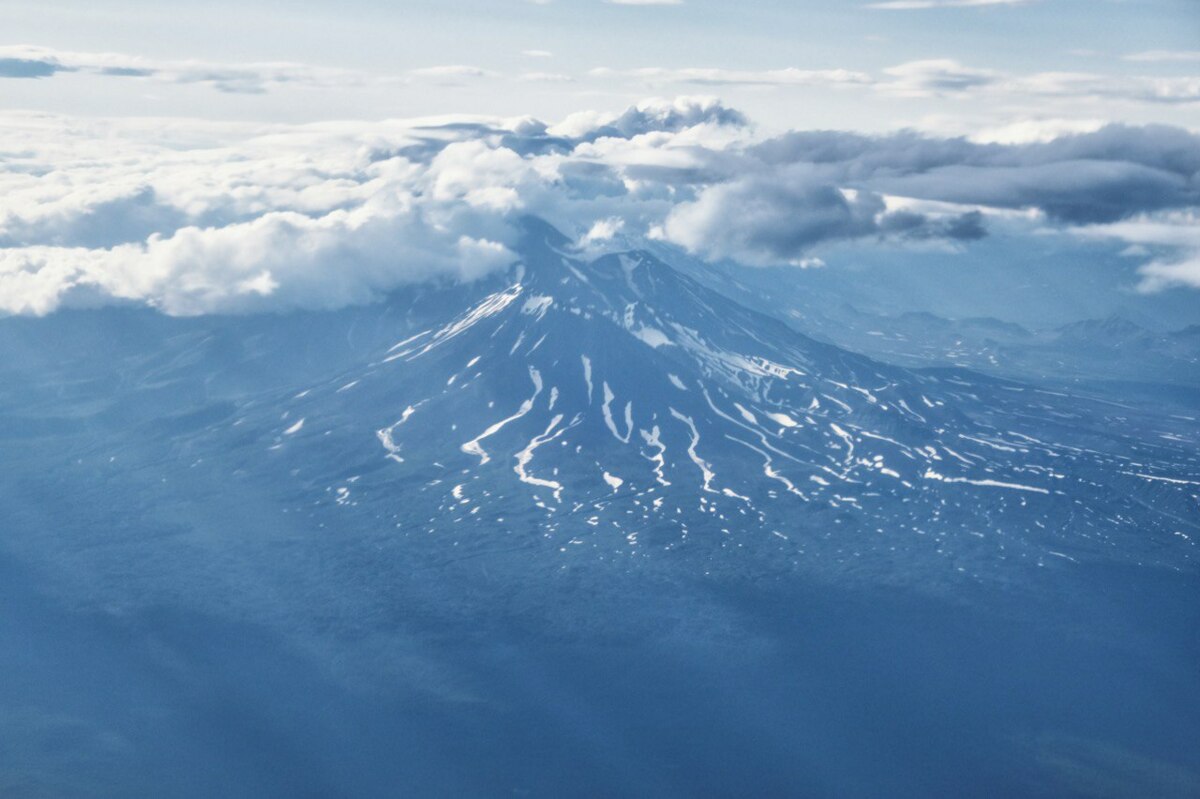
(195, 217)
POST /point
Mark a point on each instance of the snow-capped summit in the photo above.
(614, 405)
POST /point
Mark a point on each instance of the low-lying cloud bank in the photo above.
(202, 217)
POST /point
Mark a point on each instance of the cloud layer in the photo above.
(930, 77)
(204, 217)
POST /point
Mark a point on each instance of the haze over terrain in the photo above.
(600, 398)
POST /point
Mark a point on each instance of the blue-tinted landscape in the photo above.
(827, 429)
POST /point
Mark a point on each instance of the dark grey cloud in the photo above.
(651, 117)
(1111, 174)
(910, 224)
(126, 72)
(780, 199)
(1077, 192)
(782, 215)
(23, 61)
(29, 68)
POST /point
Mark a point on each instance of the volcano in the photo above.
(429, 542)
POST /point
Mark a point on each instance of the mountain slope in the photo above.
(497, 538)
(617, 408)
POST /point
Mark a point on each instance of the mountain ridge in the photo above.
(614, 406)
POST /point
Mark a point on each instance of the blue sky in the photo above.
(541, 58)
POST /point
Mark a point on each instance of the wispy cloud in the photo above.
(935, 76)
(247, 78)
(1171, 241)
(931, 78)
(545, 77)
(946, 77)
(22, 61)
(917, 5)
(1161, 56)
(451, 74)
(1091, 86)
(715, 76)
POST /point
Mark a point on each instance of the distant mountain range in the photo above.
(1093, 351)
